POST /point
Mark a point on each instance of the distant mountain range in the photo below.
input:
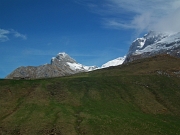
(151, 44)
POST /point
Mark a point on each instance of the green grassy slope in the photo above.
(142, 97)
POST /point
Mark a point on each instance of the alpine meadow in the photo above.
(140, 97)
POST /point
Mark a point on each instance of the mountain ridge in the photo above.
(151, 44)
(61, 65)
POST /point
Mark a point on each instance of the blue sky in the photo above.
(92, 32)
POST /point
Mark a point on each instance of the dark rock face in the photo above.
(61, 65)
(154, 43)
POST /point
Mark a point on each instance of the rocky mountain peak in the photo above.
(61, 65)
(154, 43)
(62, 58)
(148, 39)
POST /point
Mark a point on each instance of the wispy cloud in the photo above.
(5, 34)
(161, 15)
(18, 35)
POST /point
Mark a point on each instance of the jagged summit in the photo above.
(63, 58)
(62, 54)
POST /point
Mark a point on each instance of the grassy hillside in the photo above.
(142, 97)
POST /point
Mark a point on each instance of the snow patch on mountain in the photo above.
(75, 66)
(90, 68)
(115, 62)
(80, 67)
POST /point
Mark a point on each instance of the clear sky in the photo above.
(90, 31)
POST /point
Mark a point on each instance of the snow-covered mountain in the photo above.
(115, 62)
(154, 43)
(61, 65)
(63, 60)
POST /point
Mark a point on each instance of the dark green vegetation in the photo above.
(139, 98)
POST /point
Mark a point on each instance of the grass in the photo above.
(128, 99)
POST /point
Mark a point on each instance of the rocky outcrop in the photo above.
(154, 43)
(61, 65)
